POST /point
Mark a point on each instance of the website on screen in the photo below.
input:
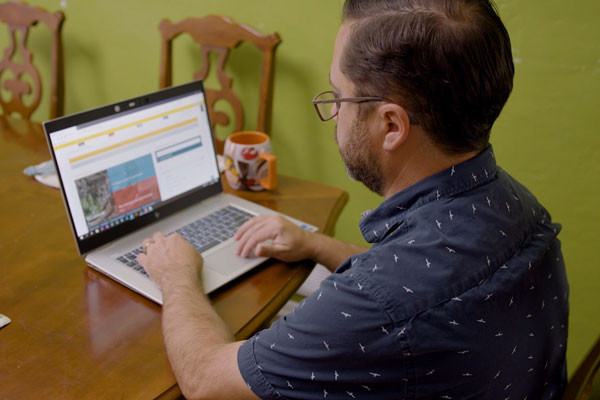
(124, 166)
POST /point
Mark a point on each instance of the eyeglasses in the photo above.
(324, 102)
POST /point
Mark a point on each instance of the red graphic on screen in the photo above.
(136, 195)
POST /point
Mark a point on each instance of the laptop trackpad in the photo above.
(226, 262)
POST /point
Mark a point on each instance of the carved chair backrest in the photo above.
(19, 18)
(585, 382)
(220, 34)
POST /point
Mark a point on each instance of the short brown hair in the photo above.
(447, 62)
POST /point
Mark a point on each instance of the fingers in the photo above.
(144, 259)
(255, 231)
(141, 258)
(259, 219)
(147, 245)
(255, 234)
(170, 259)
(266, 250)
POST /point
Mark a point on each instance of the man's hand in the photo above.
(199, 345)
(169, 259)
(288, 241)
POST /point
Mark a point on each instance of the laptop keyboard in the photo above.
(203, 233)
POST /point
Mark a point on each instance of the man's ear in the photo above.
(395, 123)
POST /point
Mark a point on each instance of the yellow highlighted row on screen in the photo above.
(129, 141)
(118, 128)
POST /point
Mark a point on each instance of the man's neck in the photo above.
(416, 161)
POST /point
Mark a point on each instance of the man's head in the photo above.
(354, 134)
(448, 63)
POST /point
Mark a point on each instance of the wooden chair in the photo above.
(20, 17)
(220, 34)
(581, 385)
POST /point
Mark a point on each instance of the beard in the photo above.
(361, 163)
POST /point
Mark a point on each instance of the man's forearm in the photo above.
(199, 345)
(193, 334)
(331, 252)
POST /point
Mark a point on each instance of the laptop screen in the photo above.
(128, 164)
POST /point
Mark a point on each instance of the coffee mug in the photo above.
(249, 162)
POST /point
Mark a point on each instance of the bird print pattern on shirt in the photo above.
(390, 331)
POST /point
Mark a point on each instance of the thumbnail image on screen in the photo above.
(110, 193)
(96, 198)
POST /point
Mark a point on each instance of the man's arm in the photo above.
(288, 242)
(200, 347)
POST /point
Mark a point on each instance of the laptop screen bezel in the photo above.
(176, 204)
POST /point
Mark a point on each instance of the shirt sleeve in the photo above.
(338, 342)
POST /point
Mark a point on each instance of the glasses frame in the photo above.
(339, 100)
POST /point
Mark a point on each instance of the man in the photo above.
(463, 292)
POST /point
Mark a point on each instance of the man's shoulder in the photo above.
(435, 257)
(407, 276)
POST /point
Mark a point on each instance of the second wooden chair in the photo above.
(220, 34)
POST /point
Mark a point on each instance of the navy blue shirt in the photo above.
(463, 294)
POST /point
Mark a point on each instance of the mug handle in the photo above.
(270, 182)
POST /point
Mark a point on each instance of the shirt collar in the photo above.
(376, 224)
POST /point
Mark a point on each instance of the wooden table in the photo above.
(77, 334)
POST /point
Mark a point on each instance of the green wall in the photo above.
(547, 136)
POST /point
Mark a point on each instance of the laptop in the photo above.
(148, 164)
